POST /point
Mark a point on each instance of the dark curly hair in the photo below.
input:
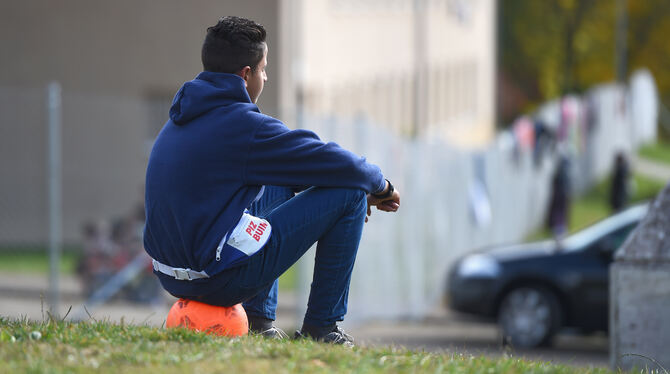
(232, 44)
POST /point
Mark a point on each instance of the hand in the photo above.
(390, 204)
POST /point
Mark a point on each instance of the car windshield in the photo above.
(592, 233)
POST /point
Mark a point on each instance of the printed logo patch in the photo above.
(256, 230)
(250, 234)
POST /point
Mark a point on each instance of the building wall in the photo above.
(125, 47)
(420, 67)
(419, 71)
(119, 64)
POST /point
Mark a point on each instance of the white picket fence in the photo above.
(403, 258)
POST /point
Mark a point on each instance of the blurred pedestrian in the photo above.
(559, 202)
(95, 265)
(620, 186)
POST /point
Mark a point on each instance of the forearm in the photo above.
(299, 157)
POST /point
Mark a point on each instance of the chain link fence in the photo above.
(78, 186)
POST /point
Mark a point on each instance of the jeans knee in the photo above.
(357, 199)
(351, 199)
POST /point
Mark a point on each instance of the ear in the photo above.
(245, 73)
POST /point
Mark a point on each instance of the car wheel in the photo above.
(529, 316)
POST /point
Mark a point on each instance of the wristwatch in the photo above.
(386, 195)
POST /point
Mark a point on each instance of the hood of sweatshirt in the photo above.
(206, 92)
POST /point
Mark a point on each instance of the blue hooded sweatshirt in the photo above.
(211, 160)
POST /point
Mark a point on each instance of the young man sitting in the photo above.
(223, 220)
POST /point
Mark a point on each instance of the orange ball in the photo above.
(218, 320)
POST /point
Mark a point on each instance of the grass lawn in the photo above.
(593, 206)
(85, 347)
(33, 259)
(288, 280)
(659, 152)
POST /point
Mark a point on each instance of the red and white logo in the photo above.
(250, 234)
(256, 230)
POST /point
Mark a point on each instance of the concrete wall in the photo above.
(640, 316)
(640, 293)
(119, 64)
(126, 47)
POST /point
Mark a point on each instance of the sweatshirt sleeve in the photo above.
(284, 157)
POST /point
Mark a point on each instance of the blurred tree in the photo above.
(648, 32)
(550, 48)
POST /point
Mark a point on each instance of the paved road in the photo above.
(445, 332)
(20, 296)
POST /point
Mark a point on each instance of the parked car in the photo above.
(535, 289)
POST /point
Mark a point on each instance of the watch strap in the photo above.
(388, 193)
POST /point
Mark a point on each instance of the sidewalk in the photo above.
(651, 169)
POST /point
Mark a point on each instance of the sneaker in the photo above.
(273, 333)
(263, 326)
(334, 336)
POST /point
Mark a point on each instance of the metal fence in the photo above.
(71, 174)
(103, 155)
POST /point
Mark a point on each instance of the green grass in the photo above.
(35, 260)
(659, 152)
(59, 347)
(594, 206)
(289, 280)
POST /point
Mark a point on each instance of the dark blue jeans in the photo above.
(331, 217)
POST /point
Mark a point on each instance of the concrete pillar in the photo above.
(640, 293)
